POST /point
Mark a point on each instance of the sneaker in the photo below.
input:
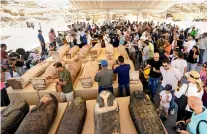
(172, 111)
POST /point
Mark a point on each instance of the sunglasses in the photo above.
(204, 65)
(164, 65)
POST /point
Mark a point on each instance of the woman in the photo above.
(52, 36)
(193, 88)
(70, 40)
(192, 58)
(203, 75)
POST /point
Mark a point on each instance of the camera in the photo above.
(180, 126)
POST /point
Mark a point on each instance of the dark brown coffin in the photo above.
(40, 118)
(107, 122)
(73, 118)
(144, 114)
(12, 116)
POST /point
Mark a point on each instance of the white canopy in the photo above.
(122, 5)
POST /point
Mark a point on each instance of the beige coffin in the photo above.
(30, 95)
(21, 82)
(84, 51)
(63, 50)
(127, 126)
(95, 51)
(72, 52)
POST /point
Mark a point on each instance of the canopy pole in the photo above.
(138, 17)
(77, 15)
(166, 15)
(93, 17)
(108, 15)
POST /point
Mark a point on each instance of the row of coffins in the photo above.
(38, 73)
(16, 117)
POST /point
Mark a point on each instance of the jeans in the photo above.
(122, 87)
(105, 88)
(153, 84)
(201, 54)
(191, 66)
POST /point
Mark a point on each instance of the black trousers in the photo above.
(4, 98)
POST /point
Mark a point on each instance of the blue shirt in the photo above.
(84, 39)
(41, 38)
(191, 127)
(123, 74)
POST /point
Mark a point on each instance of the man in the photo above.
(198, 119)
(189, 45)
(145, 53)
(4, 54)
(42, 41)
(202, 47)
(154, 75)
(180, 63)
(193, 32)
(170, 76)
(64, 83)
(123, 76)
(181, 40)
(104, 77)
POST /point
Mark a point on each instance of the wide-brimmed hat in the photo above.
(194, 75)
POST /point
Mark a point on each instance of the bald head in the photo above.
(156, 56)
(195, 102)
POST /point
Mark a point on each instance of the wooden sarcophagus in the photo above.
(109, 51)
(12, 116)
(41, 117)
(21, 82)
(106, 114)
(89, 72)
(74, 67)
(84, 51)
(95, 51)
(72, 52)
(144, 115)
(63, 50)
(73, 118)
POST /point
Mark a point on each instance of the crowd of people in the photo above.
(165, 53)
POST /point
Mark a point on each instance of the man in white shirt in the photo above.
(180, 63)
(202, 47)
(170, 76)
(189, 45)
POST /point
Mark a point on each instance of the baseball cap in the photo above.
(104, 63)
(168, 87)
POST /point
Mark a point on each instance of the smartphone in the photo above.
(99, 66)
(117, 62)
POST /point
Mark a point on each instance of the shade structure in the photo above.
(121, 5)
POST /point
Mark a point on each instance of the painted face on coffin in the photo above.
(45, 98)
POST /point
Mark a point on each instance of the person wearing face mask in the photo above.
(193, 88)
(170, 76)
(197, 124)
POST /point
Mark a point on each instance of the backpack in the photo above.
(197, 128)
(81, 39)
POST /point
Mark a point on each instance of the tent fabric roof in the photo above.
(138, 5)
